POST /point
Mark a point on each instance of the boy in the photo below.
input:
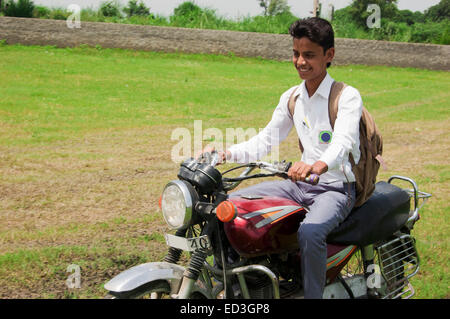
(326, 150)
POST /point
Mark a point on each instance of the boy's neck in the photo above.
(313, 84)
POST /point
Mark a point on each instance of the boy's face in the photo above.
(310, 60)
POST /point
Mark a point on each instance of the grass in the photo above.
(85, 141)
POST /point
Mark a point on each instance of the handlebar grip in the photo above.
(312, 179)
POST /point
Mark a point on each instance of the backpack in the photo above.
(370, 144)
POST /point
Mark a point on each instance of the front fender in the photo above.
(139, 275)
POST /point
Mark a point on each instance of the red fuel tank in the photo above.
(264, 225)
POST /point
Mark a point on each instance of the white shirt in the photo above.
(313, 127)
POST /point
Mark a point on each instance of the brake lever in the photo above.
(288, 166)
(278, 169)
(284, 167)
(214, 158)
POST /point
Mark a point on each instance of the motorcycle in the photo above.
(246, 246)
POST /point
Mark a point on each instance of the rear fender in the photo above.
(139, 275)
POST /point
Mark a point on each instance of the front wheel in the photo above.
(159, 289)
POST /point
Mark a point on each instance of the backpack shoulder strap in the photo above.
(291, 102)
(335, 93)
(291, 109)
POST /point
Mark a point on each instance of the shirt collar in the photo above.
(323, 89)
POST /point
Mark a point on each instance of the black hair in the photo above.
(317, 30)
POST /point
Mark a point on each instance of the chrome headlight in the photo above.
(176, 204)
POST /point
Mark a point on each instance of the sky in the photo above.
(234, 8)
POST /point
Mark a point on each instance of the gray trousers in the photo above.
(328, 205)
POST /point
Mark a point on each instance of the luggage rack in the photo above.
(399, 261)
(416, 195)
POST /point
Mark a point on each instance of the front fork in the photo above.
(191, 274)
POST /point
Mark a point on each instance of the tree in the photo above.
(23, 8)
(188, 14)
(316, 8)
(187, 8)
(264, 4)
(409, 17)
(135, 9)
(110, 9)
(274, 7)
(439, 12)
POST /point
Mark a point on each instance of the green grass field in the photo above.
(85, 142)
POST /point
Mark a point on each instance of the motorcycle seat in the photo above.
(385, 212)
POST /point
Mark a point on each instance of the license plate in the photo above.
(188, 244)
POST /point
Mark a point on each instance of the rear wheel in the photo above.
(355, 266)
(352, 277)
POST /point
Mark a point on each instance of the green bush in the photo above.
(391, 31)
(436, 33)
(151, 19)
(266, 24)
(41, 12)
(189, 15)
(22, 9)
(346, 27)
(89, 14)
(409, 17)
(135, 9)
(396, 25)
(187, 9)
(110, 9)
(59, 14)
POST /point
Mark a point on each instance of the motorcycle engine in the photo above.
(259, 287)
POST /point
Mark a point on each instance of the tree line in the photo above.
(431, 26)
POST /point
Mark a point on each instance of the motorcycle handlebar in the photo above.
(276, 169)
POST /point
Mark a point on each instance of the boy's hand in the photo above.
(300, 170)
(222, 155)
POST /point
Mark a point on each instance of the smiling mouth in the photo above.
(304, 69)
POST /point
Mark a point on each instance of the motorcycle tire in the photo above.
(159, 289)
